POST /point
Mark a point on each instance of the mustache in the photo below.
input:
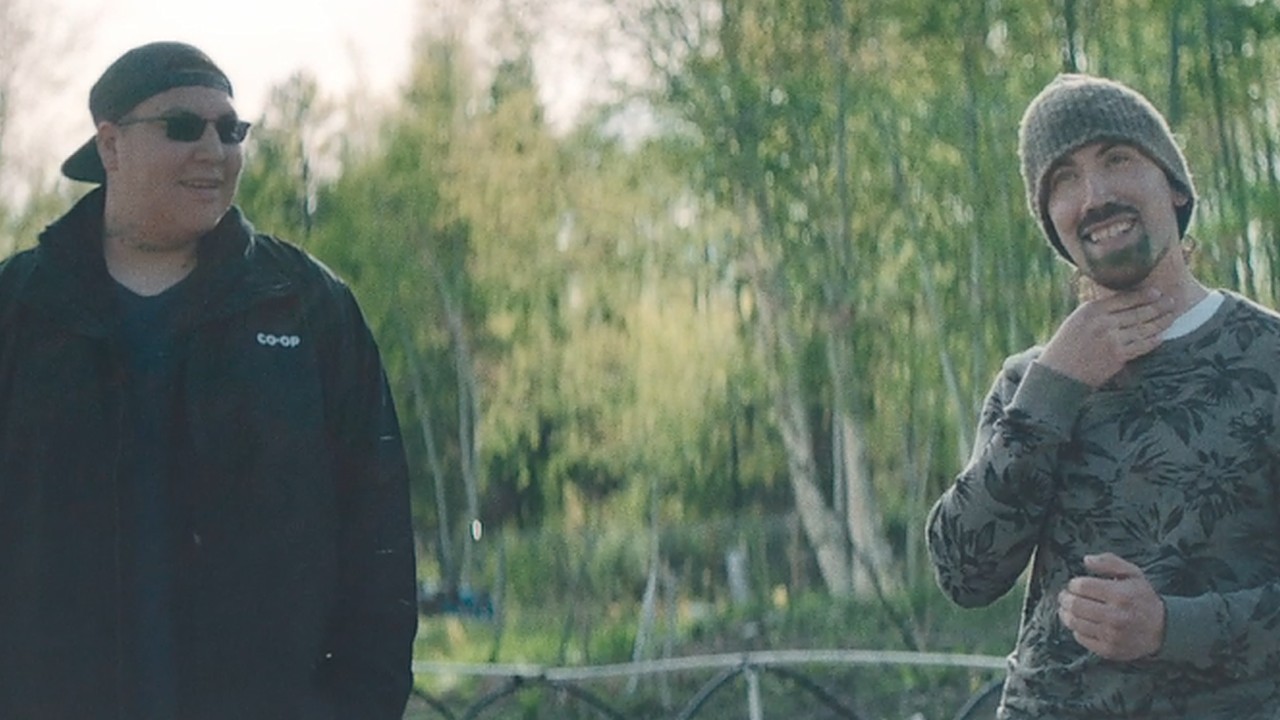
(1106, 212)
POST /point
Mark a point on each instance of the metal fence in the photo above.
(791, 665)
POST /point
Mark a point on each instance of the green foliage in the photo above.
(849, 164)
(282, 171)
(19, 227)
(584, 331)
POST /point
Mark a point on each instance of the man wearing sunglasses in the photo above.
(203, 492)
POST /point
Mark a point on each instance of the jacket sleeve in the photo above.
(367, 668)
(983, 529)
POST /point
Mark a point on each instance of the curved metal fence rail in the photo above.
(731, 665)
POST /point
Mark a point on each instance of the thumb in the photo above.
(1110, 565)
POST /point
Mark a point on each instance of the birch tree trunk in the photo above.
(422, 406)
(468, 408)
(467, 411)
(821, 525)
(870, 553)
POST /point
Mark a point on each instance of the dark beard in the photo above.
(1126, 268)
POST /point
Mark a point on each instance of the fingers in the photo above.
(1093, 623)
(1135, 347)
(1078, 615)
(1104, 582)
(1138, 322)
(1078, 611)
(1100, 337)
(1149, 311)
(1096, 639)
(1110, 565)
(1114, 612)
(1111, 631)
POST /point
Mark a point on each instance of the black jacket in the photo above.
(293, 591)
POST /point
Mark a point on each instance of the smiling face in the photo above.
(163, 190)
(1115, 212)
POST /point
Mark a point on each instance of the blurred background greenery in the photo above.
(743, 316)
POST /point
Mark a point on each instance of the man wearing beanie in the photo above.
(1133, 460)
(203, 495)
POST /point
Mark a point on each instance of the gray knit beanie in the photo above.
(1075, 110)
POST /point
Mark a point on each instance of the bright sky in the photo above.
(258, 43)
(348, 45)
(261, 42)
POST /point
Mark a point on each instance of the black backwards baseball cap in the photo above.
(142, 72)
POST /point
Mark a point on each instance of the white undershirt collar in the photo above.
(1198, 315)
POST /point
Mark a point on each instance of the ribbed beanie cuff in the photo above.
(1075, 110)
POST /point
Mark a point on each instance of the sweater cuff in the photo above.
(1188, 630)
(1049, 399)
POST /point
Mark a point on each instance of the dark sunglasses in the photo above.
(189, 127)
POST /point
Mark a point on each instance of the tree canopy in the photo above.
(788, 294)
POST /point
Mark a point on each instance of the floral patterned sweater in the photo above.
(1174, 465)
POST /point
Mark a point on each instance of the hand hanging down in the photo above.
(1114, 612)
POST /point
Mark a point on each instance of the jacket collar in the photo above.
(71, 281)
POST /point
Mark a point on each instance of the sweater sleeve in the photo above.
(983, 529)
(1236, 634)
